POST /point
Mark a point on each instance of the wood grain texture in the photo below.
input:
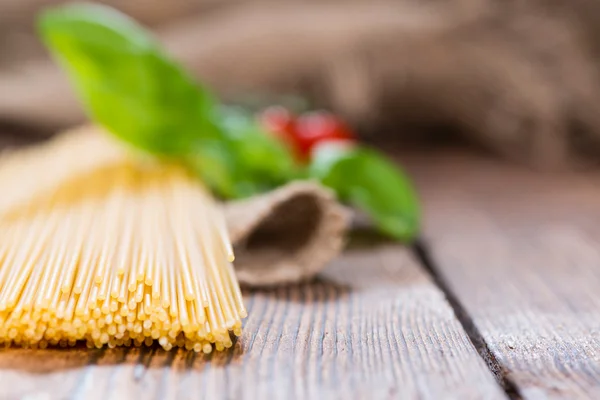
(521, 252)
(374, 326)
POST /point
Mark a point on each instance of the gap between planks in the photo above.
(518, 249)
(510, 388)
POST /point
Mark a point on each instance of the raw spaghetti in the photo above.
(112, 253)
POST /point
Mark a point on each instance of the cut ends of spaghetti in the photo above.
(129, 256)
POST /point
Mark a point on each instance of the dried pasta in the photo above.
(113, 253)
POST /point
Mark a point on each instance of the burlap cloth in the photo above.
(286, 235)
(283, 236)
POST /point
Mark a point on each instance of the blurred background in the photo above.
(516, 79)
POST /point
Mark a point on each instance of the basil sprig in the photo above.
(131, 87)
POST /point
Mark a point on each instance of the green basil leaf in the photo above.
(125, 81)
(261, 157)
(367, 180)
(133, 89)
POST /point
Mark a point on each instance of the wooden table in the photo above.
(501, 299)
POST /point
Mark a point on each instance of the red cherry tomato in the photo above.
(280, 122)
(316, 127)
(305, 132)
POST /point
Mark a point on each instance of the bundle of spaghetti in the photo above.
(127, 254)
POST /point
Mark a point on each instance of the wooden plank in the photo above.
(520, 251)
(374, 326)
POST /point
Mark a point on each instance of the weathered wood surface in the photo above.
(517, 252)
(375, 326)
(521, 253)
